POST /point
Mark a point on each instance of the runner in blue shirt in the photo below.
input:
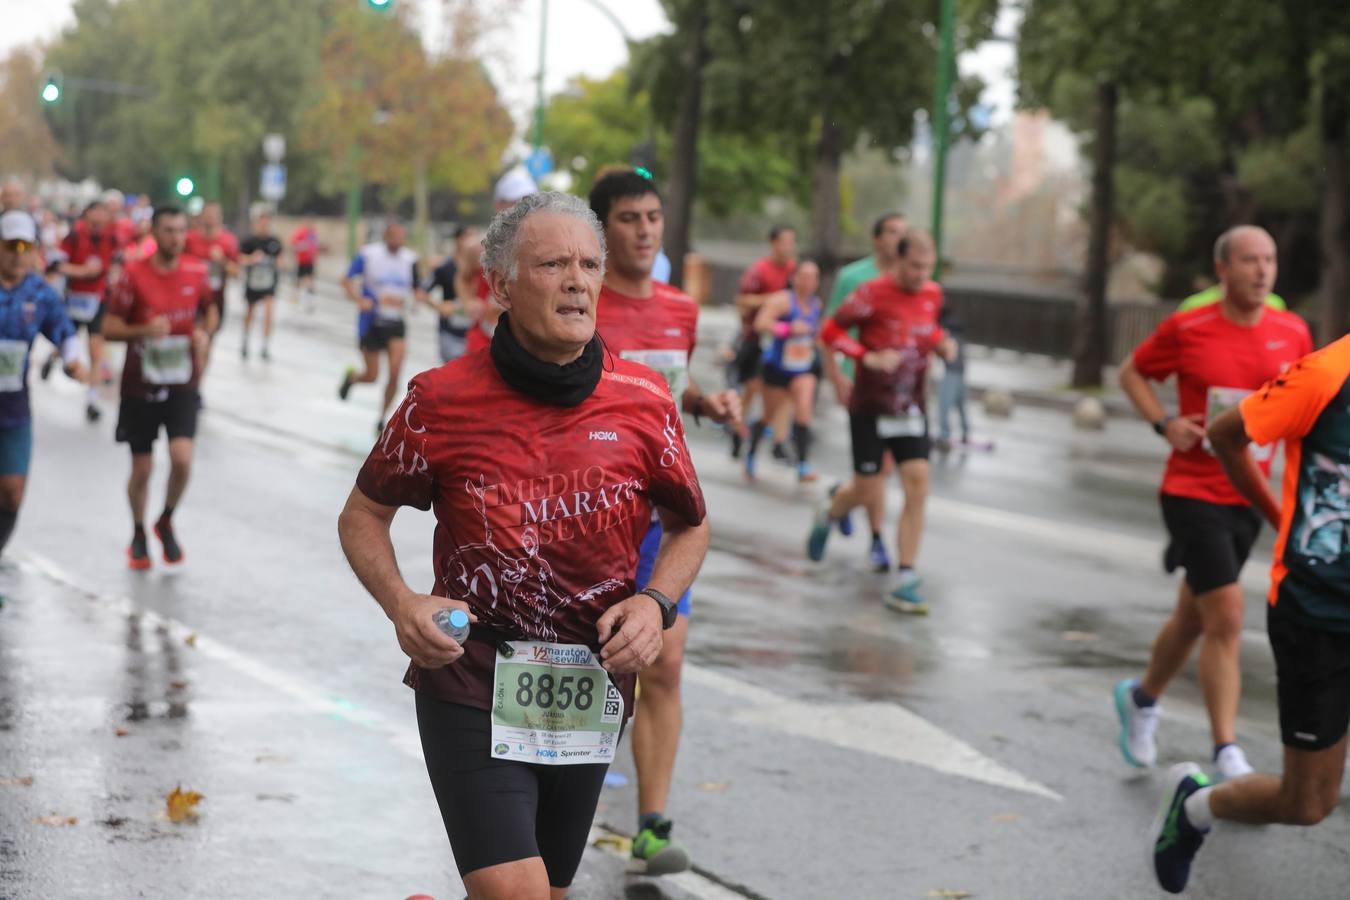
(28, 306)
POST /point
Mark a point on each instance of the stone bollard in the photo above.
(1089, 414)
(998, 404)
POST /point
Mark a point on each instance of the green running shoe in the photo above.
(654, 853)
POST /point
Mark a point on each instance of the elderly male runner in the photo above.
(542, 458)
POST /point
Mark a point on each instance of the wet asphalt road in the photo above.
(832, 748)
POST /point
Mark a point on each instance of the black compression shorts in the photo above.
(869, 447)
(1312, 674)
(496, 810)
(139, 420)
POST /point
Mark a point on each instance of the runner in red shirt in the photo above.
(896, 315)
(766, 277)
(652, 323)
(215, 245)
(542, 459)
(305, 245)
(162, 308)
(91, 248)
(484, 314)
(1219, 354)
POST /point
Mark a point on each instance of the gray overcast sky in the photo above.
(581, 40)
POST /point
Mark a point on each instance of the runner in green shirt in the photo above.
(887, 232)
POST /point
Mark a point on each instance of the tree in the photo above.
(28, 148)
(596, 122)
(387, 113)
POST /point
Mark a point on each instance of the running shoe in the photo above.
(877, 555)
(92, 412)
(749, 467)
(904, 596)
(266, 354)
(347, 378)
(1175, 839)
(46, 371)
(243, 352)
(820, 533)
(845, 522)
(1232, 763)
(805, 475)
(138, 554)
(737, 441)
(654, 853)
(1138, 725)
(173, 553)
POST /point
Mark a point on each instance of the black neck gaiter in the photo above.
(546, 382)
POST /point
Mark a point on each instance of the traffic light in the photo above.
(185, 187)
(51, 90)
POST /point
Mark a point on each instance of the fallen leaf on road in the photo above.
(191, 639)
(178, 685)
(715, 786)
(179, 804)
(1080, 636)
(614, 842)
(121, 732)
(1007, 817)
(56, 821)
(271, 758)
(113, 821)
(24, 781)
(950, 894)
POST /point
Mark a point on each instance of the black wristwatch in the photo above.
(1160, 426)
(669, 611)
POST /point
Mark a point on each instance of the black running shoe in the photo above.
(138, 554)
(46, 371)
(92, 412)
(173, 554)
(346, 386)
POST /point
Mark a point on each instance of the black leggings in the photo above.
(498, 810)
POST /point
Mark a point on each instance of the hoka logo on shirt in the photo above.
(605, 436)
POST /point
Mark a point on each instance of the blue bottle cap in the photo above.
(458, 618)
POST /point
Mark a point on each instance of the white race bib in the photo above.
(1218, 400)
(13, 363)
(913, 423)
(83, 307)
(167, 360)
(262, 277)
(799, 353)
(390, 305)
(672, 365)
(215, 275)
(553, 704)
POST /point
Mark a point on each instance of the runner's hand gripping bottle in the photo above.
(454, 622)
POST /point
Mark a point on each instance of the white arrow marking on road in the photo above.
(883, 729)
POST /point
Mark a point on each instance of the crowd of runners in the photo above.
(557, 337)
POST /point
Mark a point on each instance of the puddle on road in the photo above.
(155, 685)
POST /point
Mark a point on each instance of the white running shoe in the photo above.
(1232, 763)
(1138, 726)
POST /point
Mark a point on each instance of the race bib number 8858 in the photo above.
(553, 704)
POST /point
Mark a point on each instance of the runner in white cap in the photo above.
(513, 187)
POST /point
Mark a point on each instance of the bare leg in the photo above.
(180, 469)
(371, 360)
(914, 482)
(1173, 645)
(656, 727)
(397, 348)
(860, 490)
(1305, 794)
(1220, 675)
(526, 879)
(142, 464)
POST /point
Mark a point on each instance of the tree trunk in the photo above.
(1090, 342)
(421, 238)
(684, 158)
(1334, 224)
(825, 193)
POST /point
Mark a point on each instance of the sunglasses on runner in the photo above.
(18, 246)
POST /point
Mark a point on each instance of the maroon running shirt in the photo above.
(888, 318)
(145, 293)
(540, 509)
(765, 276)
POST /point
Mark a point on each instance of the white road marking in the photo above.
(881, 729)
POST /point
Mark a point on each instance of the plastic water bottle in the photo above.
(454, 622)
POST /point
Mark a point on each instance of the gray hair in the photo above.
(1223, 247)
(502, 240)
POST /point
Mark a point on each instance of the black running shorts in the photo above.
(379, 334)
(749, 358)
(139, 420)
(1211, 541)
(869, 447)
(1312, 673)
(496, 810)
